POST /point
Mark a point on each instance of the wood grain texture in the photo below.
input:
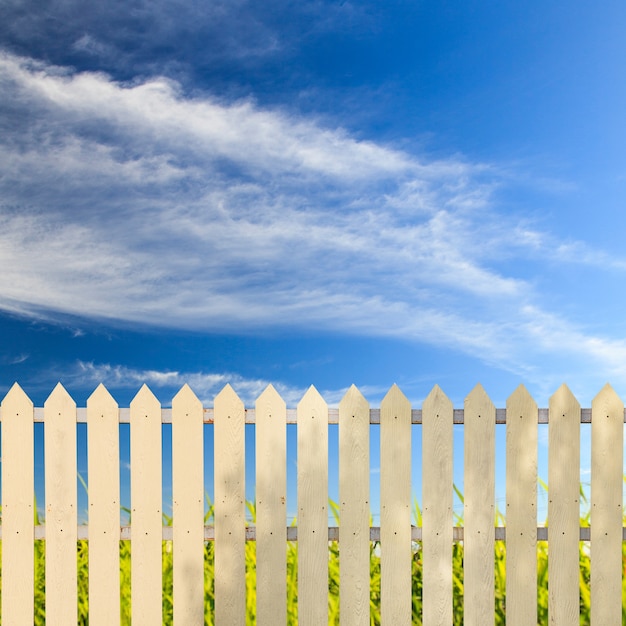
(354, 511)
(479, 508)
(607, 427)
(104, 508)
(188, 507)
(18, 497)
(271, 508)
(521, 509)
(312, 509)
(61, 517)
(437, 455)
(564, 508)
(395, 505)
(146, 508)
(230, 521)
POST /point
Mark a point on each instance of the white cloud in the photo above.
(136, 202)
(15, 359)
(205, 385)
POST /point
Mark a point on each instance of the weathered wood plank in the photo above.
(354, 508)
(146, 508)
(479, 508)
(521, 509)
(312, 509)
(437, 455)
(104, 508)
(395, 508)
(564, 508)
(607, 428)
(61, 517)
(271, 511)
(230, 521)
(188, 507)
(18, 501)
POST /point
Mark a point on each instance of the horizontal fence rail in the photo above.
(399, 545)
(543, 416)
(291, 533)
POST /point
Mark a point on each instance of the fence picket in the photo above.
(230, 523)
(564, 508)
(61, 518)
(395, 508)
(271, 493)
(104, 508)
(146, 508)
(188, 507)
(437, 454)
(312, 509)
(18, 497)
(354, 513)
(521, 508)
(607, 451)
(479, 508)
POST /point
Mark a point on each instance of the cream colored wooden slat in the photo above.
(146, 508)
(312, 509)
(230, 522)
(607, 427)
(61, 518)
(18, 497)
(564, 508)
(104, 508)
(354, 514)
(188, 507)
(479, 508)
(271, 518)
(521, 508)
(395, 508)
(437, 454)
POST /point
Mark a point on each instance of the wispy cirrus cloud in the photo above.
(139, 203)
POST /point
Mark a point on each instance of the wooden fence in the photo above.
(396, 533)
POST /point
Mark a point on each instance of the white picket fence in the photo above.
(396, 533)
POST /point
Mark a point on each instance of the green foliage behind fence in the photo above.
(333, 595)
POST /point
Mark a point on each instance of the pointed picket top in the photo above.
(478, 397)
(101, 396)
(271, 397)
(353, 401)
(354, 408)
(353, 397)
(395, 400)
(437, 403)
(312, 397)
(227, 388)
(16, 396)
(227, 402)
(312, 405)
(185, 400)
(144, 402)
(607, 401)
(60, 400)
(563, 403)
(522, 403)
(144, 395)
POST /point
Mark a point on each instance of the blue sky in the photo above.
(312, 193)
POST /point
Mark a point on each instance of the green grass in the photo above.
(333, 568)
